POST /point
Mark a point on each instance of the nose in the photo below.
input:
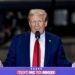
(37, 23)
(37, 27)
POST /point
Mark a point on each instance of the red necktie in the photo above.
(36, 55)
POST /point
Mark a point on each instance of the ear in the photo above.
(29, 24)
(46, 22)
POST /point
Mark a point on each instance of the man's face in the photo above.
(37, 23)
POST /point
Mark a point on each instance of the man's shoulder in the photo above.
(52, 36)
(21, 36)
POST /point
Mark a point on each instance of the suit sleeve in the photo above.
(11, 59)
(61, 57)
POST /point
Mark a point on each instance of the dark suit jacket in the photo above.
(19, 51)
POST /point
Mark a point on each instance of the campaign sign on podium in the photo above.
(37, 71)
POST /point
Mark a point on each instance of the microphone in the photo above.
(37, 35)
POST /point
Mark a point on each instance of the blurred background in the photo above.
(13, 21)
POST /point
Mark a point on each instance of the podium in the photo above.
(37, 71)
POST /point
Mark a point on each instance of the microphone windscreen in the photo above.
(37, 35)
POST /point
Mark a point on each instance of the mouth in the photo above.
(37, 28)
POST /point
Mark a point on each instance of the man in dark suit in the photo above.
(22, 47)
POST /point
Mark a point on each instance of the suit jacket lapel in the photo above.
(47, 49)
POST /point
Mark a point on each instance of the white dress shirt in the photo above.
(42, 47)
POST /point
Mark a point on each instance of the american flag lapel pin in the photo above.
(49, 41)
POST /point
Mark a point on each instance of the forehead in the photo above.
(36, 17)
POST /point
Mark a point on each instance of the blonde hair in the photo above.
(40, 12)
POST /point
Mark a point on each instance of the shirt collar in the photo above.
(42, 36)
